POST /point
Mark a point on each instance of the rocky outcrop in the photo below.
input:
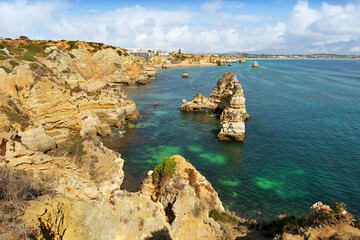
(187, 199)
(242, 61)
(185, 75)
(65, 93)
(255, 64)
(228, 99)
(181, 211)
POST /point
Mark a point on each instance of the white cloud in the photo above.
(355, 49)
(212, 6)
(23, 17)
(315, 29)
(213, 29)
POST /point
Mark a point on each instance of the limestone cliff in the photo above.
(61, 90)
(186, 59)
(55, 98)
(226, 98)
(181, 211)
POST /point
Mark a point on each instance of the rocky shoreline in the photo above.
(58, 181)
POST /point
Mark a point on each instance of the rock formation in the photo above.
(228, 98)
(180, 211)
(242, 61)
(255, 64)
(185, 75)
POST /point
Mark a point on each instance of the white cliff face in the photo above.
(227, 97)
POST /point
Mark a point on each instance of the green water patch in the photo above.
(283, 184)
(213, 158)
(163, 96)
(230, 183)
(195, 149)
(141, 124)
(157, 154)
(160, 113)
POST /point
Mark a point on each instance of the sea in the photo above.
(302, 143)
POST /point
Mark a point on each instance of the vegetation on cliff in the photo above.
(16, 188)
(165, 169)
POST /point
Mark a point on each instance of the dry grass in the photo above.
(17, 187)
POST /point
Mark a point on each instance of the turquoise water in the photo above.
(302, 144)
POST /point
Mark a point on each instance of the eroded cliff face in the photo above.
(176, 58)
(226, 98)
(179, 211)
(55, 101)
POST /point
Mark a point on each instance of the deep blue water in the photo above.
(302, 144)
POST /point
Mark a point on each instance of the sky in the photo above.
(197, 26)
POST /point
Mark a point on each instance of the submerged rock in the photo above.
(228, 98)
(185, 75)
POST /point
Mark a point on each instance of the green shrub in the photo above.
(13, 63)
(3, 57)
(28, 56)
(119, 52)
(24, 38)
(338, 207)
(15, 117)
(288, 224)
(167, 167)
(5, 68)
(72, 45)
(222, 216)
(77, 149)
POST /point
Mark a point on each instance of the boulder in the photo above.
(242, 61)
(185, 75)
(255, 64)
(226, 98)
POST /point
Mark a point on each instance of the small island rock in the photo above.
(228, 98)
(185, 75)
(255, 64)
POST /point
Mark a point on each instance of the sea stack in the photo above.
(255, 64)
(226, 98)
(242, 61)
(185, 75)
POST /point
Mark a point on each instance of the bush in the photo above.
(24, 38)
(222, 216)
(15, 117)
(165, 168)
(288, 224)
(3, 57)
(28, 56)
(5, 68)
(72, 45)
(338, 207)
(17, 187)
(13, 63)
(77, 149)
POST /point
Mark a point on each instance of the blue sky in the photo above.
(213, 26)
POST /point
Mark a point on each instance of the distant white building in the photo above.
(147, 53)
